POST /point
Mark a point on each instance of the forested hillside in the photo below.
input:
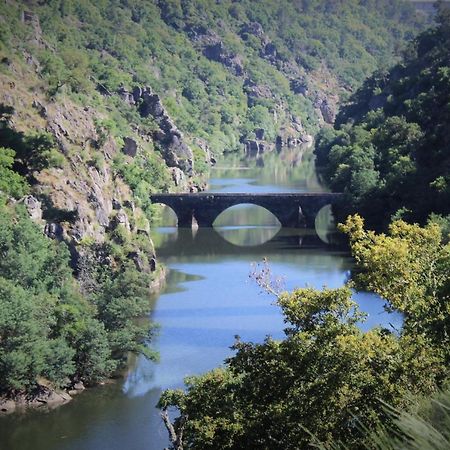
(223, 69)
(390, 149)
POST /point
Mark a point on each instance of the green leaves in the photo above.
(11, 183)
(47, 328)
(394, 156)
(328, 382)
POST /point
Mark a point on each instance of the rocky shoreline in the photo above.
(44, 396)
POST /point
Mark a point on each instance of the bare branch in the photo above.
(175, 432)
(262, 274)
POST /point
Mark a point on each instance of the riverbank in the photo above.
(46, 396)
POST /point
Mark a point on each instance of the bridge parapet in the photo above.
(291, 209)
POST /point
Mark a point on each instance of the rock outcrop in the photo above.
(174, 148)
(84, 201)
(43, 397)
(130, 147)
(256, 91)
(255, 148)
(326, 109)
(34, 207)
(218, 52)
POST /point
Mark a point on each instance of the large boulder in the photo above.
(175, 150)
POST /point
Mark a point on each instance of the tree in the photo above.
(409, 268)
(11, 183)
(327, 381)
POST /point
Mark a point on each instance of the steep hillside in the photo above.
(390, 151)
(225, 69)
(125, 89)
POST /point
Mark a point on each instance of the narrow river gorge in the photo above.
(208, 299)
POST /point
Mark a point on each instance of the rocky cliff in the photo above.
(83, 199)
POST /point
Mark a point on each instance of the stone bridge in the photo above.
(291, 209)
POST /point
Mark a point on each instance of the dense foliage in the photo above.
(390, 149)
(327, 381)
(53, 326)
(90, 49)
(47, 328)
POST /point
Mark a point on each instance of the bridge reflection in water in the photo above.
(210, 242)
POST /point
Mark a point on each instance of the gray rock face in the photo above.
(126, 96)
(79, 386)
(209, 158)
(196, 32)
(41, 108)
(269, 50)
(121, 219)
(259, 133)
(299, 86)
(102, 206)
(289, 141)
(218, 52)
(252, 28)
(140, 262)
(175, 150)
(328, 112)
(34, 207)
(54, 231)
(256, 91)
(32, 20)
(326, 109)
(178, 177)
(42, 397)
(116, 204)
(130, 147)
(254, 148)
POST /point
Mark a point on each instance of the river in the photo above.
(209, 298)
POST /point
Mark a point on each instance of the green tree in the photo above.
(327, 381)
(409, 268)
(11, 183)
(389, 152)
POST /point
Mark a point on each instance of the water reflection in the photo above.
(211, 242)
(292, 170)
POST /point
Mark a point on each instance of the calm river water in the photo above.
(208, 299)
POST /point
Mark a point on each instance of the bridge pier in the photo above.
(289, 216)
(205, 217)
(184, 216)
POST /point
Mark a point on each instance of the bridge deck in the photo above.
(248, 194)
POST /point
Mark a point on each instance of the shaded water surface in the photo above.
(209, 298)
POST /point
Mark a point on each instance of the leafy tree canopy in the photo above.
(390, 149)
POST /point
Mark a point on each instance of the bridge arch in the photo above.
(325, 224)
(164, 215)
(247, 225)
(291, 209)
(246, 214)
